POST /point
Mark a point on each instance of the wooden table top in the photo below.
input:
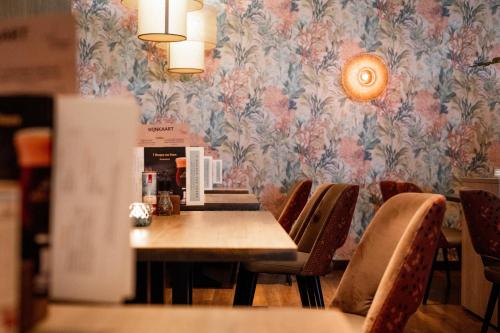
(117, 319)
(227, 190)
(214, 236)
(227, 201)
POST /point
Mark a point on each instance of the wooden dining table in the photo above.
(229, 200)
(151, 318)
(209, 236)
(227, 190)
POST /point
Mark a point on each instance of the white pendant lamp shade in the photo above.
(162, 20)
(195, 5)
(202, 27)
(191, 4)
(187, 57)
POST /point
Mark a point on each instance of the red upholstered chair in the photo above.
(320, 230)
(482, 213)
(449, 238)
(385, 280)
(294, 204)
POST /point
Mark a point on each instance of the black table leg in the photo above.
(182, 283)
(157, 282)
(141, 283)
(245, 287)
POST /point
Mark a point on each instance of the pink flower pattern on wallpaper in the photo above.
(273, 199)
(271, 105)
(282, 10)
(432, 11)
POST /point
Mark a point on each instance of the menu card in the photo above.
(38, 55)
(170, 165)
(9, 256)
(195, 176)
(91, 254)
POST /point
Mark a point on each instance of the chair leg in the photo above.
(245, 287)
(303, 291)
(459, 254)
(429, 282)
(289, 279)
(314, 292)
(448, 274)
(495, 289)
(318, 292)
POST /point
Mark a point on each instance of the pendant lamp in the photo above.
(191, 4)
(162, 20)
(188, 57)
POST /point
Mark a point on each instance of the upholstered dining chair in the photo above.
(321, 228)
(482, 214)
(384, 282)
(294, 204)
(450, 238)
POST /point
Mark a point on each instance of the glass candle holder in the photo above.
(141, 214)
(164, 205)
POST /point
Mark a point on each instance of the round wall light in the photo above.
(364, 77)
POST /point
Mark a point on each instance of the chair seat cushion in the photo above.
(281, 267)
(453, 236)
(492, 273)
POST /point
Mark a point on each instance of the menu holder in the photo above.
(217, 171)
(91, 253)
(138, 169)
(195, 194)
(208, 173)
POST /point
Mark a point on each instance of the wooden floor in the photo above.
(436, 317)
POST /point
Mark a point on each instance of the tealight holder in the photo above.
(141, 214)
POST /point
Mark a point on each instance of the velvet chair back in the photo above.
(305, 216)
(386, 277)
(295, 203)
(391, 188)
(328, 228)
(482, 213)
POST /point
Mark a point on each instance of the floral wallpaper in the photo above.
(270, 103)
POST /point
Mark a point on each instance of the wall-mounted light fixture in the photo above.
(364, 77)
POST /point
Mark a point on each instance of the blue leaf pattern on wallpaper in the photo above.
(270, 103)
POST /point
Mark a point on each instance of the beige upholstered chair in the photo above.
(385, 280)
(321, 228)
(482, 214)
(294, 204)
(450, 238)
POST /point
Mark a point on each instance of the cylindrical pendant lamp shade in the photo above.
(195, 5)
(192, 4)
(202, 26)
(187, 57)
(162, 20)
